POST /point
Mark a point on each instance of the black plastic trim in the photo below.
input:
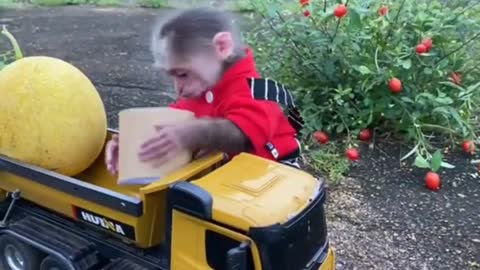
(72, 186)
(320, 258)
(190, 198)
(108, 247)
(272, 236)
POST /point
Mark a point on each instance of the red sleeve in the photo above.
(177, 105)
(252, 117)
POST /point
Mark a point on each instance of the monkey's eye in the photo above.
(181, 74)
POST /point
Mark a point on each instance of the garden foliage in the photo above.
(374, 67)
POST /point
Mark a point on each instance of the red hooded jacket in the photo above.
(262, 121)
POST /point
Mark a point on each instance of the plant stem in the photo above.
(418, 131)
(321, 28)
(376, 60)
(280, 35)
(345, 124)
(459, 48)
(438, 127)
(338, 24)
(295, 43)
(395, 20)
(13, 41)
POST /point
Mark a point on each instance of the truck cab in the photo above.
(247, 213)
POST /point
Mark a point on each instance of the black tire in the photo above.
(15, 254)
(51, 262)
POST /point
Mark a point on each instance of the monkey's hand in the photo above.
(206, 134)
(165, 144)
(111, 155)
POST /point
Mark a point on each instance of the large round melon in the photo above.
(51, 115)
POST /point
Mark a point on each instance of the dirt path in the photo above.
(380, 218)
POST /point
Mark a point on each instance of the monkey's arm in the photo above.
(217, 135)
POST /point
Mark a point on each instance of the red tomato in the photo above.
(321, 137)
(456, 78)
(395, 85)
(428, 43)
(383, 10)
(365, 135)
(352, 154)
(421, 48)
(432, 181)
(306, 13)
(340, 11)
(304, 2)
(468, 147)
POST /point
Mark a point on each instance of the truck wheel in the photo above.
(16, 255)
(52, 263)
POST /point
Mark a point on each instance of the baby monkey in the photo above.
(215, 77)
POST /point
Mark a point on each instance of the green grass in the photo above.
(329, 161)
(7, 4)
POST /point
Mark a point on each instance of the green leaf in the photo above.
(272, 11)
(443, 64)
(410, 153)
(406, 64)
(472, 88)
(329, 68)
(444, 100)
(436, 160)
(428, 71)
(355, 47)
(442, 111)
(451, 84)
(421, 162)
(456, 116)
(408, 100)
(364, 70)
(340, 128)
(355, 20)
(447, 165)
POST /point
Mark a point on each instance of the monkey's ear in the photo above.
(223, 43)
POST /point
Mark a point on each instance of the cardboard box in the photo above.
(136, 126)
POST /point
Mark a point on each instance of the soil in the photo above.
(380, 217)
(383, 217)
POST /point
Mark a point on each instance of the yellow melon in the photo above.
(51, 115)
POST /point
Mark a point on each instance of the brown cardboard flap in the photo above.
(136, 126)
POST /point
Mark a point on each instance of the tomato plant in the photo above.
(354, 65)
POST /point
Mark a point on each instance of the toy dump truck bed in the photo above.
(208, 215)
(95, 193)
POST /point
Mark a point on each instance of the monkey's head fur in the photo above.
(195, 47)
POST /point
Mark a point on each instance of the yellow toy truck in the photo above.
(243, 214)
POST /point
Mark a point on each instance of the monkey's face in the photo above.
(196, 72)
(199, 73)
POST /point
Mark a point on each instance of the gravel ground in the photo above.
(380, 217)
